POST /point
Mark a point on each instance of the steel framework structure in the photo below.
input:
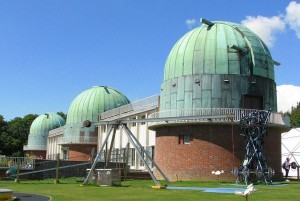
(254, 167)
(136, 144)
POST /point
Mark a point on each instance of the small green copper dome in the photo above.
(223, 48)
(40, 128)
(90, 103)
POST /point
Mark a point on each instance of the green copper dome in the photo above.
(39, 129)
(219, 65)
(90, 103)
(222, 48)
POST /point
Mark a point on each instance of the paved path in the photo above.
(30, 197)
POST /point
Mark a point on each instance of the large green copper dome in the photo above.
(39, 129)
(219, 65)
(223, 48)
(90, 103)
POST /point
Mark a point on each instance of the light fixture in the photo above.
(227, 81)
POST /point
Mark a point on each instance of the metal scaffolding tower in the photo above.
(254, 167)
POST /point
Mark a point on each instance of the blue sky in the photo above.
(52, 50)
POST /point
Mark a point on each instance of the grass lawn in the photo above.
(69, 189)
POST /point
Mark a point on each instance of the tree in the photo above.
(3, 124)
(295, 116)
(3, 133)
(63, 115)
(14, 134)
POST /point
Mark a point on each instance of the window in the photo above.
(134, 123)
(187, 139)
(131, 157)
(184, 139)
(143, 117)
(65, 154)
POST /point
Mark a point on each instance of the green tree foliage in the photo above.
(3, 124)
(295, 116)
(14, 134)
(63, 115)
(3, 133)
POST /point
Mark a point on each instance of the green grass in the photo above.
(69, 189)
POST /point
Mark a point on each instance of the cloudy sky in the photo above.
(52, 50)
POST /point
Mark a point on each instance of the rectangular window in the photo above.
(131, 157)
(184, 139)
(134, 123)
(65, 154)
(187, 139)
(143, 117)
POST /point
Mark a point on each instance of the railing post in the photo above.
(56, 181)
(126, 161)
(17, 180)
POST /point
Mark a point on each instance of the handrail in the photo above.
(25, 162)
(78, 140)
(134, 106)
(234, 114)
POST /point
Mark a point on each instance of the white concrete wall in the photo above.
(139, 130)
(53, 148)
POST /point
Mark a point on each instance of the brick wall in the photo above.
(37, 153)
(80, 152)
(210, 149)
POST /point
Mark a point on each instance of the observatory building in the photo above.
(216, 74)
(39, 130)
(219, 68)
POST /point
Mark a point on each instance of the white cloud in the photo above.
(190, 23)
(265, 27)
(287, 96)
(292, 17)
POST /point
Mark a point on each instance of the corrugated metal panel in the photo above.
(189, 53)
(206, 99)
(197, 103)
(235, 88)
(180, 90)
(198, 59)
(206, 82)
(210, 51)
(188, 83)
(216, 102)
(216, 86)
(221, 51)
(188, 99)
(234, 67)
